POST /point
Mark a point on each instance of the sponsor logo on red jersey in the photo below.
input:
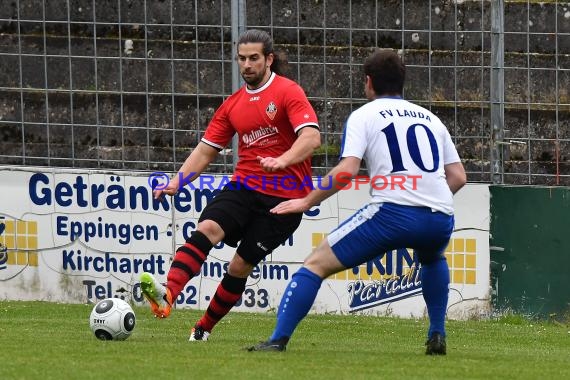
(259, 134)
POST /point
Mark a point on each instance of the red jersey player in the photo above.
(267, 121)
(278, 132)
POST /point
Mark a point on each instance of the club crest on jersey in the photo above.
(271, 110)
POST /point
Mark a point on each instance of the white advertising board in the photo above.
(78, 236)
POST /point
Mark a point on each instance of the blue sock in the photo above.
(296, 302)
(435, 284)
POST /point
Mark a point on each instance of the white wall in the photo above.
(76, 235)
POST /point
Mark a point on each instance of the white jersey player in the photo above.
(414, 170)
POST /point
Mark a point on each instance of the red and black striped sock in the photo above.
(228, 293)
(187, 262)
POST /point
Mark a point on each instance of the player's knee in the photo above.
(212, 230)
(323, 262)
(238, 267)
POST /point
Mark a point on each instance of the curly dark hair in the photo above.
(280, 63)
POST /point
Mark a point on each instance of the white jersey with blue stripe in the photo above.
(405, 148)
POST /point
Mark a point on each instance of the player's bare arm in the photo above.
(308, 140)
(339, 177)
(455, 176)
(192, 167)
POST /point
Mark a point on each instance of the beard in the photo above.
(254, 81)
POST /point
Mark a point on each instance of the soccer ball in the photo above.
(112, 319)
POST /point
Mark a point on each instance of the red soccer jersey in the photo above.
(267, 121)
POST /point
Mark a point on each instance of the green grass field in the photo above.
(53, 341)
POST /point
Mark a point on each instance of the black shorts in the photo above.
(244, 216)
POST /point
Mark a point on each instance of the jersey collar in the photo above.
(389, 97)
(271, 77)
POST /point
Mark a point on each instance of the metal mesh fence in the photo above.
(132, 84)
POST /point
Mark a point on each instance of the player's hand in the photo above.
(271, 164)
(170, 189)
(291, 206)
